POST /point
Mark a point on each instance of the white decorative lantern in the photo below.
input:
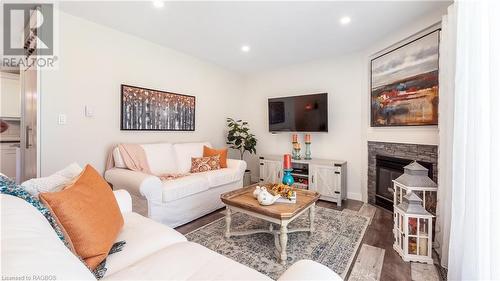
(414, 180)
(413, 230)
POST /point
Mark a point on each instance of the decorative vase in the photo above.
(257, 190)
(295, 147)
(265, 198)
(296, 151)
(287, 177)
(307, 140)
(308, 151)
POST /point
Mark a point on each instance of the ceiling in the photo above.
(278, 33)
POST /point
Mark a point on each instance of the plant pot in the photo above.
(247, 178)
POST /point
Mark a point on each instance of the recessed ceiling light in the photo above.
(345, 20)
(245, 48)
(158, 3)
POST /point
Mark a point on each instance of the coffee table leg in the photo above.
(283, 241)
(228, 222)
(311, 217)
(277, 248)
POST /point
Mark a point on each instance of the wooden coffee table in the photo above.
(242, 200)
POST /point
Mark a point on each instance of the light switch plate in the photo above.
(89, 111)
(61, 119)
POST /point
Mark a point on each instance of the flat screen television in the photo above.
(307, 113)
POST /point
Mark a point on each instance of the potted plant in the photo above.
(240, 138)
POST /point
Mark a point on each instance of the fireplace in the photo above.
(422, 153)
(389, 168)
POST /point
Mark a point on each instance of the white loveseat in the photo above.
(178, 201)
(31, 250)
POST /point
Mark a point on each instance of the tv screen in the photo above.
(308, 113)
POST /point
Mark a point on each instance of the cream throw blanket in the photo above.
(135, 159)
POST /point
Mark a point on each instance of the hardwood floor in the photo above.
(378, 234)
(185, 229)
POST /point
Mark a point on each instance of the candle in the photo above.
(308, 138)
(287, 162)
(294, 138)
(423, 247)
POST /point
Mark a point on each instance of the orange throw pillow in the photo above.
(89, 214)
(207, 152)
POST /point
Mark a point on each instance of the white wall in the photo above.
(346, 79)
(94, 61)
(338, 78)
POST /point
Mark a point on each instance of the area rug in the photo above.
(334, 243)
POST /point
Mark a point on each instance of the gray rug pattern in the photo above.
(334, 243)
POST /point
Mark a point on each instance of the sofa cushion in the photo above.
(54, 182)
(144, 237)
(161, 158)
(184, 186)
(8, 186)
(187, 261)
(30, 247)
(221, 176)
(185, 151)
(89, 214)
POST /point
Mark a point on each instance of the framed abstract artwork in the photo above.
(153, 110)
(405, 84)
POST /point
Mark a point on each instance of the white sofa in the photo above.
(32, 250)
(178, 201)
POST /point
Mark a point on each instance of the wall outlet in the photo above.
(61, 119)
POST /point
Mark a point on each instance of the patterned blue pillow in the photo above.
(8, 186)
(101, 269)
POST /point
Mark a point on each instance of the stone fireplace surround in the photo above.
(419, 152)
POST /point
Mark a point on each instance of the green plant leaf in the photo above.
(239, 136)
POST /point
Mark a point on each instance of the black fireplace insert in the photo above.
(387, 169)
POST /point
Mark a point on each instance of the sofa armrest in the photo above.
(237, 164)
(309, 270)
(136, 183)
(124, 200)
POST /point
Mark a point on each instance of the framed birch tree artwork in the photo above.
(154, 110)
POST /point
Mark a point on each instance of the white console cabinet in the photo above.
(328, 177)
(270, 171)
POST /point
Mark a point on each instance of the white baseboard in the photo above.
(354, 196)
